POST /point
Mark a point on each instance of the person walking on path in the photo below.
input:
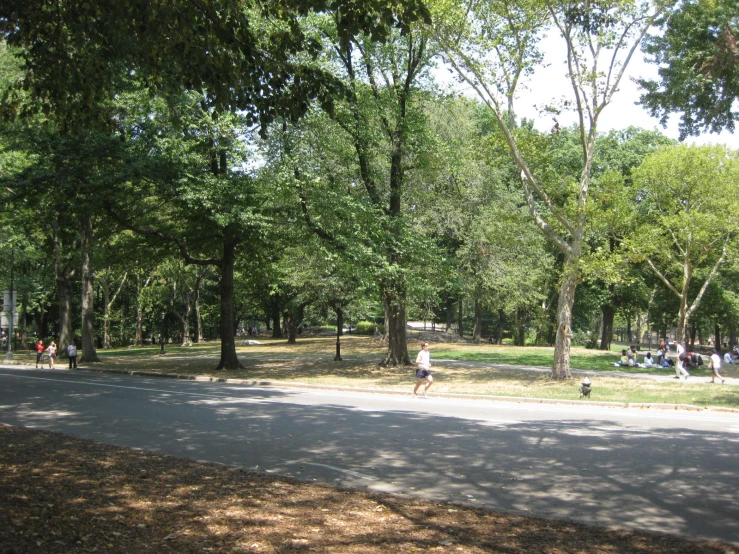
(72, 354)
(423, 361)
(39, 353)
(680, 363)
(52, 354)
(715, 365)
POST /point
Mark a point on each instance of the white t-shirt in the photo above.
(716, 361)
(423, 359)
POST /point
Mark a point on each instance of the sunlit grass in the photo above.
(311, 362)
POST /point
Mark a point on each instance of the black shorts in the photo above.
(423, 373)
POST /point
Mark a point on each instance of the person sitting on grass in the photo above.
(649, 361)
(631, 353)
(624, 361)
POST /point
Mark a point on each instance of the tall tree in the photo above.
(687, 198)
(599, 42)
(611, 217)
(382, 82)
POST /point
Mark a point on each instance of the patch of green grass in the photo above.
(311, 361)
(591, 360)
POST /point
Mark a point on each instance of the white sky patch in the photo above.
(549, 83)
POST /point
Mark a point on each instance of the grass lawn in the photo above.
(311, 361)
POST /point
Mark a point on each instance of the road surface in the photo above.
(670, 471)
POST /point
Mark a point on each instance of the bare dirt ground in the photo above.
(60, 494)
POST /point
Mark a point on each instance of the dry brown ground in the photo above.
(60, 494)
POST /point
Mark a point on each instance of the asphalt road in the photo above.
(670, 471)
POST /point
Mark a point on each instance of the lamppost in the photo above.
(161, 336)
(339, 325)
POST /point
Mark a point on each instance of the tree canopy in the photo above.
(696, 51)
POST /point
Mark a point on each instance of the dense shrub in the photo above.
(582, 338)
(368, 328)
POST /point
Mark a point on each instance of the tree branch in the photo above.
(664, 279)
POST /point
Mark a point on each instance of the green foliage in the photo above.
(368, 328)
(696, 50)
(688, 218)
(241, 55)
(584, 339)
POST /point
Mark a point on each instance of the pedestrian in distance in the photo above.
(715, 365)
(39, 353)
(72, 354)
(423, 361)
(52, 354)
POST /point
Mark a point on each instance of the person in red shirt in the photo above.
(39, 353)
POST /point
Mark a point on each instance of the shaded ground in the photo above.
(60, 494)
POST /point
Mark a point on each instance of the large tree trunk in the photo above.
(520, 327)
(184, 318)
(683, 316)
(293, 319)
(460, 318)
(198, 316)
(397, 352)
(717, 334)
(501, 327)
(394, 288)
(139, 339)
(339, 322)
(140, 310)
(41, 322)
(681, 333)
(449, 313)
(543, 317)
(563, 340)
(606, 332)
(229, 359)
(276, 327)
(477, 331)
(108, 306)
(185, 322)
(24, 322)
(62, 274)
(89, 353)
(105, 286)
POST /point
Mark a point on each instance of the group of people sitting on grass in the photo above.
(684, 361)
(630, 358)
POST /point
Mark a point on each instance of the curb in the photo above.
(511, 399)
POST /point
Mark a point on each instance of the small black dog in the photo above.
(585, 388)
